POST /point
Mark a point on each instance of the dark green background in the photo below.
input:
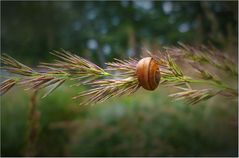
(31, 29)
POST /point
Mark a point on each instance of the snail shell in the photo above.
(148, 73)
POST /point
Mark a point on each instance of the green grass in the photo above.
(144, 124)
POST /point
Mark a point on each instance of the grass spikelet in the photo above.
(6, 85)
(75, 66)
(105, 89)
(124, 68)
(193, 96)
(15, 67)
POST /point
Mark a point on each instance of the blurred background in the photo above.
(145, 124)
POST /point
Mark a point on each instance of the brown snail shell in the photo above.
(148, 73)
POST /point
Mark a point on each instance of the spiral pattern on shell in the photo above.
(148, 73)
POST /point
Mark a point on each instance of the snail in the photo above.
(148, 73)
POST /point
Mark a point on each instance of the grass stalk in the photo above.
(120, 77)
(33, 126)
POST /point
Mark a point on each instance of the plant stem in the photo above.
(33, 127)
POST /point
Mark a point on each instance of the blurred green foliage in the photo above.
(141, 125)
(103, 30)
(145, 124)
